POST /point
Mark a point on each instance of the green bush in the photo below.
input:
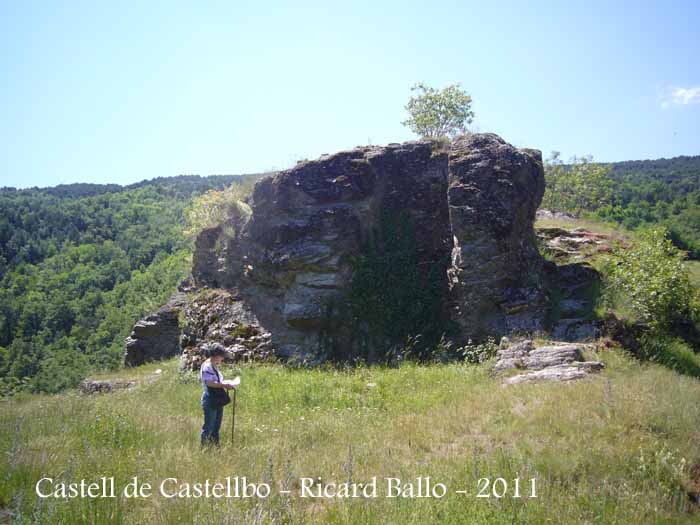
(479, 352)
(652, 281)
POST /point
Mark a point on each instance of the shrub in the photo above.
(217, 207)
(479, 352)
(388, 318)
(652, 280)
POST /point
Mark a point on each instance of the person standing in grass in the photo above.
(214, 396)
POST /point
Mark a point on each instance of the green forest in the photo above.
(663, 191)
(631, 194)
(80, 263)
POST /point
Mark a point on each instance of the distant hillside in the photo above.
(662, 191)
(34, 222)
(184, 184)
(671, 171)
(79, 264)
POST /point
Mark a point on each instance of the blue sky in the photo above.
(120, 92)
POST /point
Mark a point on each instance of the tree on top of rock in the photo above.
(438, 113)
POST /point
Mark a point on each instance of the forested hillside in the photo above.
(662, 191)
(79, 264)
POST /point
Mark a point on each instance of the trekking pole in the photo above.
(233, 414)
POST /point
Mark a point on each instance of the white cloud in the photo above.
(681, 96)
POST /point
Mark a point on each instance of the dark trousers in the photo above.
(212, 422)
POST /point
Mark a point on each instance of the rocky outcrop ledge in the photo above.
(552, 362)
(289, 264)
(156, 336)
(275, 280)
(94, 386)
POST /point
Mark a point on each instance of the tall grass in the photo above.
(617, 448)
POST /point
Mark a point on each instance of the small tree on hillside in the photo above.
(582, 185)
(438, 113)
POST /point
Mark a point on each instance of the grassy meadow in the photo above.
(694, 271)
(621, 447)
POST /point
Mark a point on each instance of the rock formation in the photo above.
(574, 280)
(156, 336)
(496, 273)
(93, 386)
(287, 266)
(552, 362)
(219, 316)
(294, 255)
(280, 277)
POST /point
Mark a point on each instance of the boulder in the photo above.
(552, 362)
(573, 245)
(289, 263)
(570, 372)
(156, 336)
(93, 386)
(546, 356)
(513, 356)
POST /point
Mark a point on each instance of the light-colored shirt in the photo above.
(208, 372)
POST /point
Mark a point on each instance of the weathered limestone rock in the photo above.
(221, 316)
(554, 215)
(156, 336)
(293, 258)
(573, 245)
(568, 372)
(555, 362)
(513, 356)
(545, 356)
(576, 283)
(93, 386)
(287, 266)
(575, 279)
(495, 278)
